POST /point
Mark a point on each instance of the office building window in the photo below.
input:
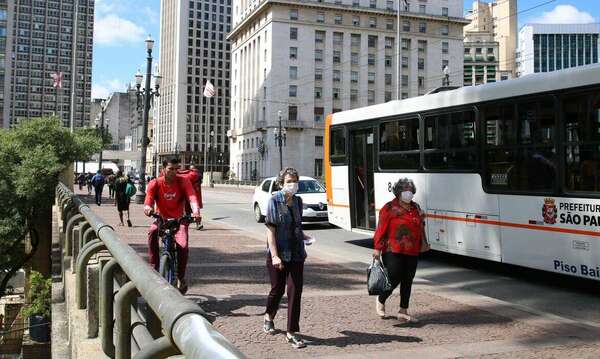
(318, 92)
(422, 45)
(318, 55)
(337, 57)
(371, 77)
(318, 167)
(356, 20)
(338, 19)
(389, 42)
(371, 59)
(388, 61)
(319, 111)
(320, 17)
(293, 53)
(405, 44)
(405, 61)
(421, 64)
(423, 27)
(445, 30)
(372, 40)
(354, 76)
(422, 9)
(372, 22)
(371, 97)
(319, 36)
(406, 26)
(293, 14)
(388, 79)
(373, 4)
(292, 113)
(318, 141)
(293, 72)
(293, 91)
(337, 75)
(444, 11)
(444, 47)
(389, 24)
(293, 33)
(336, 93)
(318, 74)
(355, 40)
(353, 95)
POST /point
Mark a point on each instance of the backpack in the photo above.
(130, 190)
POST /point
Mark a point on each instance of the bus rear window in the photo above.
(337, 147)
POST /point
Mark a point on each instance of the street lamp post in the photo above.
(210, 169)
(101, 128)
(280, 137)
(146, 94)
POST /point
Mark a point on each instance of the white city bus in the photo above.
(508, 171)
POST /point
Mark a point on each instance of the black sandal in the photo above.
(296, 341)
(269, 327)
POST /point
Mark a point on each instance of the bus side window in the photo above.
(337, 146)
(519, 146)
(581, 150)
(451, 141)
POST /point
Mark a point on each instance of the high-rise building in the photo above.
(307, 59)
(116, 118)
(6, 44)
(49, 37)
(194, 50)
(498, 18)
(550, 47)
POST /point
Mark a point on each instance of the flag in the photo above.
(57, 77)
(209, 89)
(404, 4)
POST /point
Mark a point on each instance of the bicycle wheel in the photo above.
(166, 269)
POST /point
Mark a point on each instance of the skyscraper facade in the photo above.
(299, 61)
(194, 50)
(50, 36)
(551, 47)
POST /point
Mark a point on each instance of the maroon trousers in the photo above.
(181, 241)
(292, 275)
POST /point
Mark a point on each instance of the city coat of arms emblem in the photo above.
(549, 211)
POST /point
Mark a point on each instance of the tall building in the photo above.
(550, 47)
(307, 59)
(6, 45)
(194, 50)
(116, 118)
(50, 36)
(500, 19)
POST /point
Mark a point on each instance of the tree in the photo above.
(32, 155)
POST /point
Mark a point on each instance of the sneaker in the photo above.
(379, 308)
(129, 223)
(269, 327)
(296, 341)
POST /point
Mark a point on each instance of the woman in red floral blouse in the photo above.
(399, 238)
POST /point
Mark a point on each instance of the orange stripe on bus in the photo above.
(326, 162)
(517, 225)
(340, 205)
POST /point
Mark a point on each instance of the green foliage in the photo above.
(32, 156)
(40, 294)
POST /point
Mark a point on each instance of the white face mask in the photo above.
(406, 196)
(290, 188)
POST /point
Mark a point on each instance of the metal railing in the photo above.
(172, 324)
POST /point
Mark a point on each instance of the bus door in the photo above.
(362, 190)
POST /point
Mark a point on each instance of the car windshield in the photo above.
(310, 186)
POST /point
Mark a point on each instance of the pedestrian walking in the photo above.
(98, 183)
(122, 198)
(286, 255)
(88, 180)
(399, 239)
(81, 180)
(110, 180)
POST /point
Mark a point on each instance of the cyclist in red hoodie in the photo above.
(169, 193)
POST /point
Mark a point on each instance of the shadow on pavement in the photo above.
(350, 337)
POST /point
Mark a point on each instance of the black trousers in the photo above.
(292, 274)
(98, 191)
(401, 270)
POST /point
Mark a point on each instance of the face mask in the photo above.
(290, 188)
(406, 196)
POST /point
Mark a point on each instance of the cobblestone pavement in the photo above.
(228, 278)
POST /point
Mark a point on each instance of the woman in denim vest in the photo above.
(285, 262)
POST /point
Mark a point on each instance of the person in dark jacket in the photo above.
(121, 196)
(98, 183)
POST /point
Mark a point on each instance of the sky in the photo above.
(121, 26)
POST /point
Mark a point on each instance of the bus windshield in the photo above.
(310, 186)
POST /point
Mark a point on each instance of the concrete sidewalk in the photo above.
(228, 278)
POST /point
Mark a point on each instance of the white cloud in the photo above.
(115, 30)
(153, 16)
(105, 88)
(564, 14)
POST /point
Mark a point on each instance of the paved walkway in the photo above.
(228, 278)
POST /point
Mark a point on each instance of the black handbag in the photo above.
(378, 281)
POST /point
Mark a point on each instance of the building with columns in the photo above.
(307, 59)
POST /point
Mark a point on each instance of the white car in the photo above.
(310, 190)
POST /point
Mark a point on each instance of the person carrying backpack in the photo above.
(98, 183)
(123, 196)
(88, 180)
(111, 185)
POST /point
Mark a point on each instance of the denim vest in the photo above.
(278, 215)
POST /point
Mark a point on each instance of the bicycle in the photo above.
(168, 254)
